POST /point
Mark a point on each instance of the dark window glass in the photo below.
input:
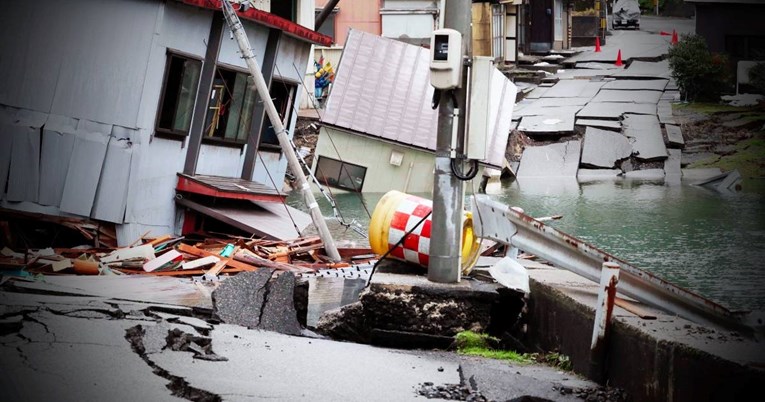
(178, 93)
(282, 95)
(339, 174)
(328, 27)
(230, 109)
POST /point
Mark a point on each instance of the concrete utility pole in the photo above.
(281, 133)
(448, 193)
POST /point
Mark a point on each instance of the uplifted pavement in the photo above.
(75, 348)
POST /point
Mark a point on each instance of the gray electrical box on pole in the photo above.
(448, 193)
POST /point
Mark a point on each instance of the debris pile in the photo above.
(175, 256)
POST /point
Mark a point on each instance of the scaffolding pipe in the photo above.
(236, 27)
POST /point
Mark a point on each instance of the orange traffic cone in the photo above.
(674, 37)
(597, 44)
(619, 59)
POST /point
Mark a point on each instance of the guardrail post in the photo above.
(609, 277)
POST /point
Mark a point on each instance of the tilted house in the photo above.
(378, 131)
(140, 112)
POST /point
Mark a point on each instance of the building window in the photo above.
(229, 113)
(285, 9)
(179, 91)
(498, 31)
(282, 94)
(335, 173)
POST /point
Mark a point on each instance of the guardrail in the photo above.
(498, 222)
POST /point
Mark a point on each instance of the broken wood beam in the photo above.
(191, 250)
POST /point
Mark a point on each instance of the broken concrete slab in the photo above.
(604, 148)
(599, 123)
(634, 96)
(633, 85)
(597, 174)
(597, 66)
(638, 68)
(646, 130)
(535, 110)
(141, 288)
(278, 313)
(664, 110)
(646, 174)
(536, 93)
(558, 102)
(561, 159)
(239, 299)
(547, 124)
(674, 135)
(614, 110)
(574, 89)
(699, 174)
(672, 164)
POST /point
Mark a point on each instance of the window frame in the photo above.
(234, 143)
(162, 132)
(342, 169)
(294, 86)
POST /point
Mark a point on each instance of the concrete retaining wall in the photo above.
(647, 367)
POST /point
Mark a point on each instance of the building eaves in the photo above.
(270, 20)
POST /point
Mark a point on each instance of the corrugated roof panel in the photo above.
(396, 129)
(368, 59)
(418, 108)
(382, 89)
(379, 119)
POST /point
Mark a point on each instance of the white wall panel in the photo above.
(229, 50)
(218, 160)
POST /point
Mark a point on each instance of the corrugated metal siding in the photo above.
(382, 89)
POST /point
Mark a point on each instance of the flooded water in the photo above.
(708, 242)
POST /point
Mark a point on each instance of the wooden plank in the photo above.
(185, 248)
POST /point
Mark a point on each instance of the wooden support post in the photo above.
(203, 94)
(609, 278)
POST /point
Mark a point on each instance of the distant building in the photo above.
(378, 131)
(109, 109)
(734, 27)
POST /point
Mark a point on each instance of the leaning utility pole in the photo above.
(236, 27)
(448, 194)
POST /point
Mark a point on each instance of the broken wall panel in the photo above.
(57, 146)
(69, 71)
(28, 79)
(291, 58)
(111, 195)
(24, 171)
(85, 168)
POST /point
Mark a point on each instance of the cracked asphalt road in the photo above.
(68, 348)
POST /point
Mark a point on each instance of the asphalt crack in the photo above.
(177, 385)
